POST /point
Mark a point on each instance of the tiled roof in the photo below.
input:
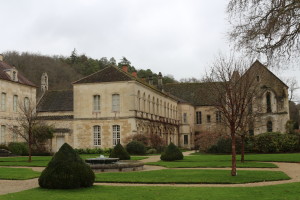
(60, 100)
(108, 74)
(198, 94)
(21, 79)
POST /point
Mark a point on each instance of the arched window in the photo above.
(116, 103)
(116, 135)
(269, 126)
(96, 103)
(268, 99)
(97, 135)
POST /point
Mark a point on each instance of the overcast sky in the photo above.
(175, 37)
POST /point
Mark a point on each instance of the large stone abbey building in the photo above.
(106, 107)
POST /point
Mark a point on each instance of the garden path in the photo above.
(291, 169)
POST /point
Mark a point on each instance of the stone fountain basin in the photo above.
(120, 166)
(95, 161)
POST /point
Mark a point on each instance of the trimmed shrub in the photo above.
(171, 153)
(119, 152)
(136, 147)
(3, 146)
(151, 151)
(66, 170)
(18, 148)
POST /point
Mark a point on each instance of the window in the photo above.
(184, 118)
(208, 118)
(116, 134)
(139, 100)
(96, 103)
(251, 128)
(97, 135)
(218, 116)
(26, 103)
(2, 134)
(257, 78)
(15, 103)
(116, 103)
(3, 101)
(185, 139)
(268, 98)
(15, 135)
(198, 118)
(269, 126)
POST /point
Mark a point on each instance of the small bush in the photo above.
(90, 151)
(18, 148)
(224, 146)
(135, 147)
(3, 146)
(151, 151)
(66, 170)
(119, 152)
(171, 153)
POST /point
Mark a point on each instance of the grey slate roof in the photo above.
(59, 100)
(21, 79)
(198, 94)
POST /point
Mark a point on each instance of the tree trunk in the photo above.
(233, 153)
(29, 146)
(243, 149)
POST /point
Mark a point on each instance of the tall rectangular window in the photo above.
(116, 134)
(15, 135)
(185, 139)
(97, 135)
(2, 134)
(96, 103)
(3, 101)
(198, 118)
(218, 116)
(116, 103)
(26, 103)
(15, 103)
(184, 118)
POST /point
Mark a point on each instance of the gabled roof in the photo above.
(198, 94)
(108, 74)
(21, 79)
(53, 101)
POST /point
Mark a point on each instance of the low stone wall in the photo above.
(121, 166)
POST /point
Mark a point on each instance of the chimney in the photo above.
(1, 57)
(150, 78)
(159, 81)
(134, 74)
(125, 68)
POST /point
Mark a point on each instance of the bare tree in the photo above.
(268, 27)
(232, 88)
(293, 87)
(32, 129)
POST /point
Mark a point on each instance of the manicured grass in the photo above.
(276, 192)
(42, 161)
(282, 157)
(190, 176)
(213, 164)
(17, 173)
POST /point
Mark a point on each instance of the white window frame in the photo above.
(97, 135)
(3, 101)
(2, 134)
(184, 118)
(115, 101)
(15, 103)
(26, 103)
(96, 103)
(116, 134)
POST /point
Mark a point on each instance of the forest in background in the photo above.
(62, 71)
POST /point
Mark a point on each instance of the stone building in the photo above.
(15, 91)
(106, 107)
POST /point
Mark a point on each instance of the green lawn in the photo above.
(186, 176)
(42, 161)
(276, 192)
(17, 173)
(280, 157)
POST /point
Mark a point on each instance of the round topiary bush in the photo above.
(136, 147)
(171, 153)
(119, 152)
(66, 170)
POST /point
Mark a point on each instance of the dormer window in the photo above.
(14, 76)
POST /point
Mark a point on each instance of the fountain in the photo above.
(103, 164)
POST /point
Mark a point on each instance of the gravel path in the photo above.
(291, 169)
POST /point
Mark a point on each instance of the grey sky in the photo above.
(175, 37)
